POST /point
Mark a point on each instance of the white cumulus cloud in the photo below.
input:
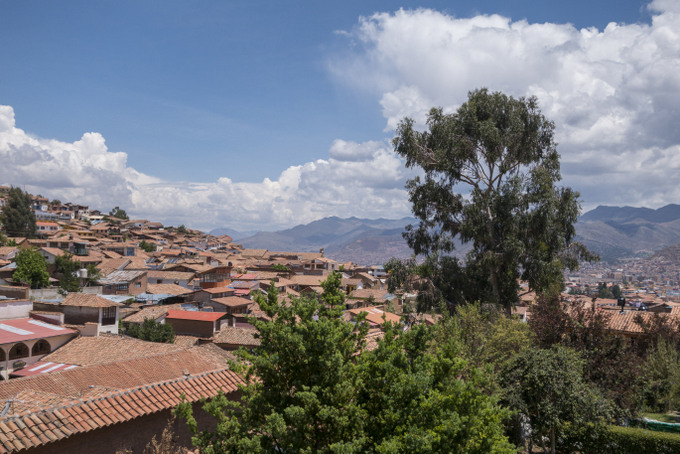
(358, 179)
(613, 93)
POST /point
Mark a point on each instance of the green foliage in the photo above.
(661, 378)
(312, 390)
(603, 291)
(487, 337)
(428, 399)
(547, 386)
(629, 440)
(67, 267)
(151, 331)
(17, 215)
(93, 274)
(118, 213)
(280, 267)
(410, 277)
(147, 247)
(616, 291)
(520, 225)
(182, 229)
(31, 268)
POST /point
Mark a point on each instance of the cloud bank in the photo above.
(613, 94)
(356, 180)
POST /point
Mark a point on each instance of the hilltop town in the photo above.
(79, 362)
(69, 347)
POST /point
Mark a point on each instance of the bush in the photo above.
(631, 440)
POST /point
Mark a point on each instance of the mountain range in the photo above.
(612, 232)
(617, 232)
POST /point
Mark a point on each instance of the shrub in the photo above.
(631, 440)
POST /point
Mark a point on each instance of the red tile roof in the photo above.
(30, 430)
(87, 300)
(195, 315)
(233, 301)
(107, 348)
(375, 315)
(22, 329)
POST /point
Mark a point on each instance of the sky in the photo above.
(263, 115)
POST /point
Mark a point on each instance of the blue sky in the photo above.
(207, 105)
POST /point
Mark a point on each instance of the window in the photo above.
(19, 350)
(122, 286)
(109, 315)
(42, 347)
(2, 355)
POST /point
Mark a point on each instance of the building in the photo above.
(25, 341)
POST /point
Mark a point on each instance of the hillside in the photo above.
(616, 232)
(611, 232)
(364, 241)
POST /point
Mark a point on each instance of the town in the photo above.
(132, 318)
(68, 347)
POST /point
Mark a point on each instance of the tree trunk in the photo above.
(552, 440)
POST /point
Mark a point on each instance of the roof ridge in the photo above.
(112, 394)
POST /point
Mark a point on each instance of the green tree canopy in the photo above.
(31, 268)
(67, 267)
(17, 215)
(118, 213)
(547, 386)
(489, 179)
(147, 247)
(152, 331)
(313, 388)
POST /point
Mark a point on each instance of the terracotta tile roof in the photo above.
(372, 339)
(375, 315)
(121, 374)
(195, 315)
(111, 254)
(137, 262)
(58, 422)
(186, 341)
(233, 301)
(215, 290)
(53, 251)
(626, 322)
(7, 250)
(154, 312)
(258, 253)
(87, 300)
(167, 289)
(306, 280)
(365, 293)
(173, 275)
(123, 276)
(89, 351)
(113, 264)
(236, 336)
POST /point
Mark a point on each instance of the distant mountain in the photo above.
(611, 232)
(671, 253)
(625, 214)
(364, 241)
(234, 234)
(616, 232)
